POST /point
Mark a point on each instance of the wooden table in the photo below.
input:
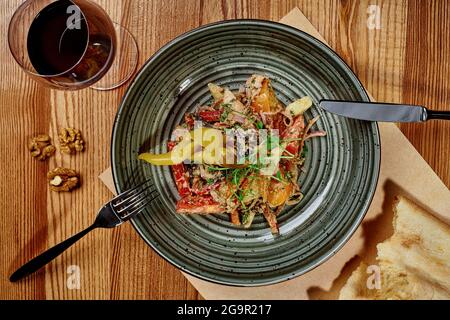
(406, 60)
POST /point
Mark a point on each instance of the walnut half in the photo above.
(70, 140)
(41, 147)
(63, 179)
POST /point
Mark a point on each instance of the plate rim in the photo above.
(297, 32)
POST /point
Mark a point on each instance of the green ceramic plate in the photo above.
(341, 170)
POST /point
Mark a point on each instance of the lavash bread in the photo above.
(356, 288)
(414, 262)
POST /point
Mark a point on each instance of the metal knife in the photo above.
(384, 112)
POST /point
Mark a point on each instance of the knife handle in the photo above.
(438, 115)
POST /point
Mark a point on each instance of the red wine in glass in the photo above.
(68, 44)
(53, 46)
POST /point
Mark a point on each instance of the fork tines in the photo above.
(134, 200)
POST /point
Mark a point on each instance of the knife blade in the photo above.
(371, 111)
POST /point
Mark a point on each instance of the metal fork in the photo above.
(120, 209)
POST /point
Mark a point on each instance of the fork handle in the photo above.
(41, 260)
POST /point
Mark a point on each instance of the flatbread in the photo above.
(414, 263)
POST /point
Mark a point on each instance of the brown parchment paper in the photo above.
(403, 172)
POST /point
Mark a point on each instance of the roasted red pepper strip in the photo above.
(198, 205)
(295, 131)
(189, 120)
(275, 121)
(210, 115)
(180, 174)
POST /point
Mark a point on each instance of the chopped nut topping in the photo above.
(63, 179)
(71, 140)
(40, 147)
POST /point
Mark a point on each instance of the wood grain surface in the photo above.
(406, 60)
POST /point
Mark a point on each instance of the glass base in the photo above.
(124, 64)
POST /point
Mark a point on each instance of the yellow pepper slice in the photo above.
(163, 159)
(185, 149)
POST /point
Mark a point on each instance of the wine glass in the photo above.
(71, 45)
